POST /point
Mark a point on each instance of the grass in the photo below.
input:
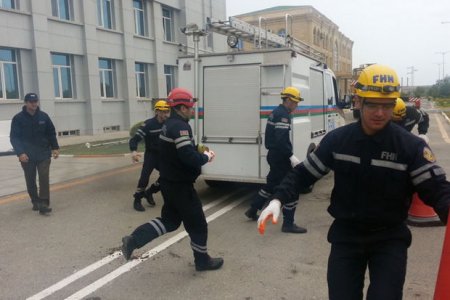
(107, 147)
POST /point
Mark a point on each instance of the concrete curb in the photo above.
(445, 116)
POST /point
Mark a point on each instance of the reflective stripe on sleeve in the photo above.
(318, 163)
(165, 138)
(388, 164)
(421, 169)
(421, 178)
(311, 169)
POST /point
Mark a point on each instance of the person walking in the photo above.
(149, 132)
(410, 116)
(280, 157)
(179, 168)
(377, 167)
(33, 138)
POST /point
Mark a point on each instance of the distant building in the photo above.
(308, 25)
(96, 64)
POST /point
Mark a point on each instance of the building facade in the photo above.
(96, 64)
(308, 25)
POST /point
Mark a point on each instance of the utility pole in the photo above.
(439, 70)
(412, 70)
(443, 61)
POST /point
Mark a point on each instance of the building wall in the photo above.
(308, 25)
(38, 33)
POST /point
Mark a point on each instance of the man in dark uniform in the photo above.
(33, 138)
(377, 166)
(179, 168)
(150, 133)
(280, 157)
(408, 116)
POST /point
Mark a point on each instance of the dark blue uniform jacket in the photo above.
(149, 132)
(179, 159)
(277, 132)
(33, 135)
(374, 176)
(415, 116)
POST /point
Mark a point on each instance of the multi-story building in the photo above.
(308, 25)
(96, 64)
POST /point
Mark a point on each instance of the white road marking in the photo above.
(442, 130)
(106, 260)
(130, 265)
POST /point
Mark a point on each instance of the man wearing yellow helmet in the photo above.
(377, 167)
(408, 116)
(149, 132)
(280, 157)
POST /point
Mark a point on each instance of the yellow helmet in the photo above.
(162, 105)
(378, 81)
(399, 111)
(291, 93)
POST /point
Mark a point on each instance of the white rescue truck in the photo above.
(238, 90)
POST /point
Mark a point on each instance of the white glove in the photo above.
(135, 157)
(210, 155)
(273, 209)
(425, 138)
(294, 161)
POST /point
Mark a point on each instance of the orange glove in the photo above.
(272, 210)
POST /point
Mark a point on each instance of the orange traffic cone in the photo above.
(442, 289)
(422, 215)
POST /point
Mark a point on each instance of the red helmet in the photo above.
(180, 96)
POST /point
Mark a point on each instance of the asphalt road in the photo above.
(73, 254)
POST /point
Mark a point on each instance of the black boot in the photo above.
(35, 206)
(137, 201)
(292, 228)
(43, 208)
(128, 246)
(251, 213)
(149, 196)
(211, 263)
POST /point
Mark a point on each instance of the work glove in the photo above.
(294, 161)
(202, 148)
(135, 157)
(425, 138)
(273, 209)
(210, 155)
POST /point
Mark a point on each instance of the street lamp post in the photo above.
(192, 29)
(443, 61)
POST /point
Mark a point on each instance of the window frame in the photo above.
(139, 16)
(59, 68)
(56, 8)
(15, 64)
(101, 13)
(170, 77)
(169, 35)
(141, 75)
(102, 73)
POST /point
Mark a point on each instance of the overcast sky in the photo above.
(398, 33)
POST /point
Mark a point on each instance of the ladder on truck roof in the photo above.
(260, 37)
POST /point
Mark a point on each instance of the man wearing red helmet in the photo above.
(180, 165)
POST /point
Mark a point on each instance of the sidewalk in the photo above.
(64, 168)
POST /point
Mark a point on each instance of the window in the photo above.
(168, 24)
(104, 13)
(9, 82)
(11, 4)
(61, 9)
(62, 75)
(141, 79)
(336, 57)
(169, 73)
(106, 78)
(139, 17)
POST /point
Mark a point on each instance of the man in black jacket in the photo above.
(33, 138)
(377, 167)
(280, 158)
(179, 168)
(410, 116)
(150, 132)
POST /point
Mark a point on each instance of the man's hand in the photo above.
(210, 155)
(23, 158)
(273, 209)
(294, 161)
(135, 157)
(55, 153)
(425, 138)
